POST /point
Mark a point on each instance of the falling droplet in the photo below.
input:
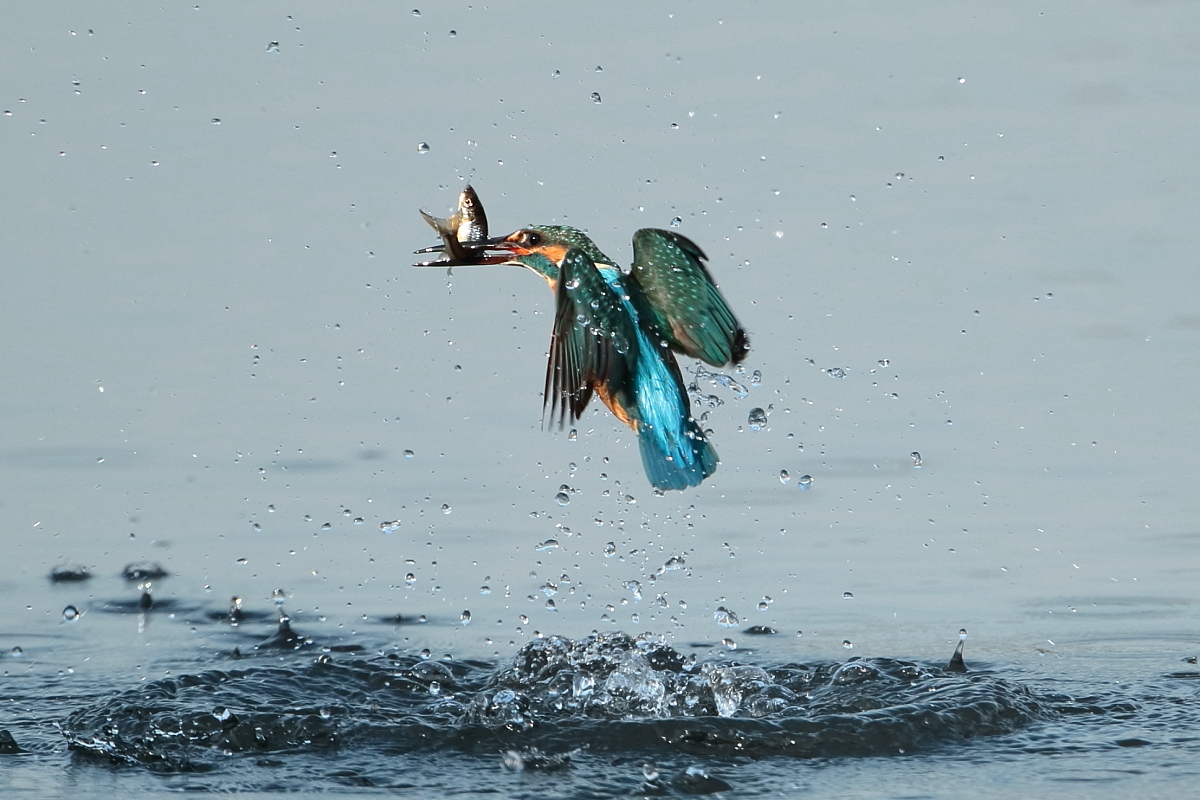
(446, 508)
(757, 419)
(423, 147)
(216, 120)
(70, 614)
(846, 643)
(784, 477)
(847, 595)
(273, 47)
(562, 498)
(453, 34)
(610, 549)
(596, 97)
(465, 617)
(725, 618)
(416, 12)
(804, 482)
(675, 223)
(916, 457)
(555, 74)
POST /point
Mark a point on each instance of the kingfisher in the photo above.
(616, 333)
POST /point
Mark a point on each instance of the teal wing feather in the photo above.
(594, 340)
(683, 300)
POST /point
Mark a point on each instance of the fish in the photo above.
(464, 233)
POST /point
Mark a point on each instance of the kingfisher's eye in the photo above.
(533, 238)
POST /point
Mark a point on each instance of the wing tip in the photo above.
(741, 346)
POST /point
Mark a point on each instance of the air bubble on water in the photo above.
(596, 97)
(725, 618)
(70, 614)
(465, 617)
(784, 477)
(916, 457)
(757, 419)
(423, 147)
(804, 483)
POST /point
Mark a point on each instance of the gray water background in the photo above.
(216, 354)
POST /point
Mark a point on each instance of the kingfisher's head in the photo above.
(542, 248)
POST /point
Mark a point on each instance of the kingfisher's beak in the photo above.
(468, 254)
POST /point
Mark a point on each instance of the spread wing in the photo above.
(594, 342)
(683, 300)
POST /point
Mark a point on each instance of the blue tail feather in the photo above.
(676, 459)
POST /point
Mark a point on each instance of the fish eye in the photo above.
(533, 238)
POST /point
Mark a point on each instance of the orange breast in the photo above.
(614, 406)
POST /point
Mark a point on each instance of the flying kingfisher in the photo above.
(615, 332)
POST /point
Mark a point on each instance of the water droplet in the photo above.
(70, 614)
(757, 419)
(423, 147)
(635, 589)
(465, 617)
(16, 652)
(555, 74)
(846, 643)
(596, 97)
(836, 372)
(725, 618)
(610, 549)
(784, 477)
(216, 120)
(272, 47)
(221, 713)
(562, 498)
(547, 546)
(763, 605)
(599, 68)
(756, 378)
(847, 595)
(410, 580)
(278, 596)
(962, 634)
(804, 483)
(916, 457)
(675, 223)
(446, 508)
(416, 12)
(572, 435)
(453, 34)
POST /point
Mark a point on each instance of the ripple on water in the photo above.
(610, 693)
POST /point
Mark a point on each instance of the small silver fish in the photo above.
(463, 232)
